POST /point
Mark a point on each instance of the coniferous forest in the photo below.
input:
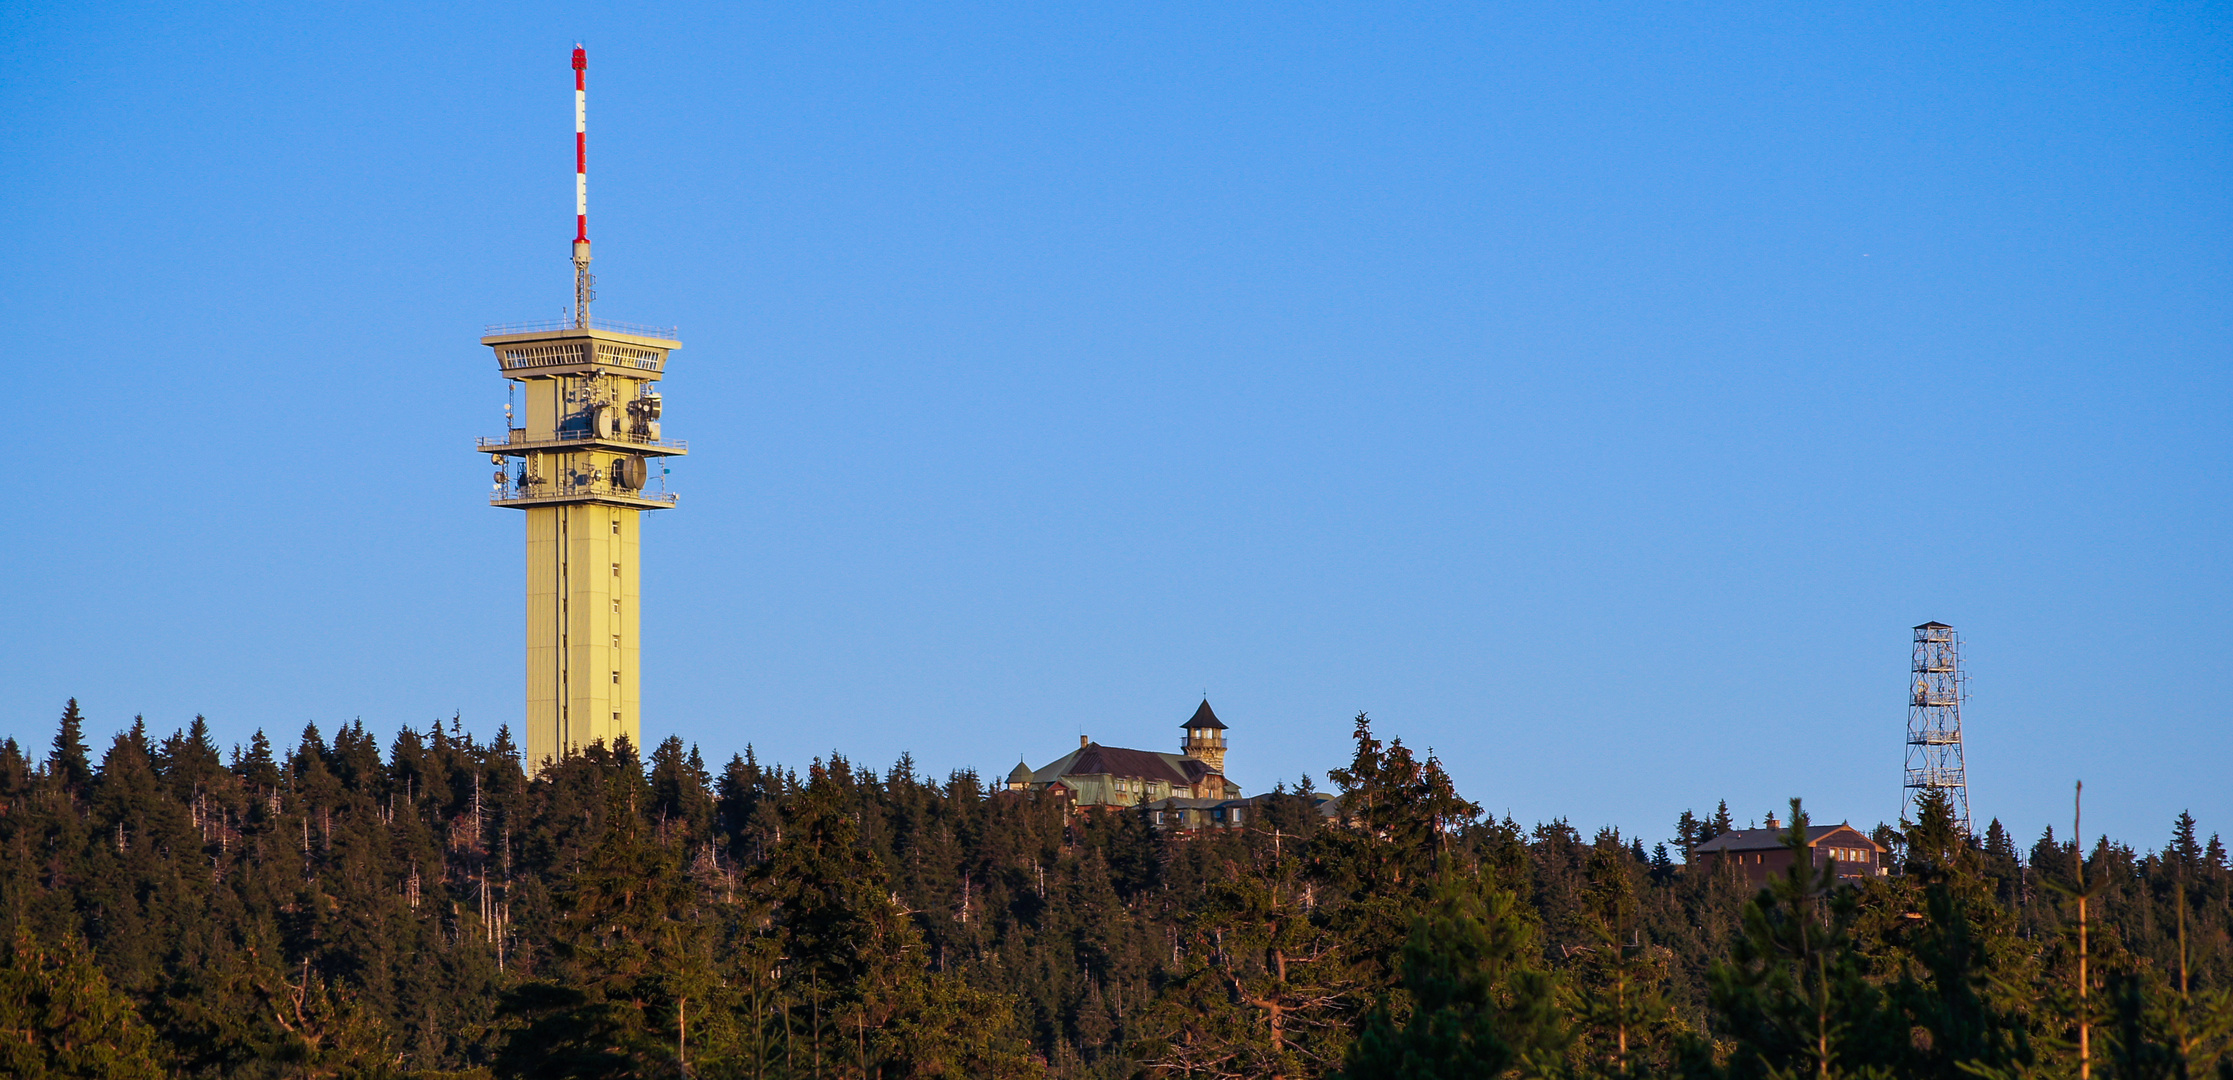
(337, 908)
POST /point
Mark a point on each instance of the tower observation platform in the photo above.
(579, 462)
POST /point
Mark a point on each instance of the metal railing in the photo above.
(663, 333)
(520, 439)
(511, 491)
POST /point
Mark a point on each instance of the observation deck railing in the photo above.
(512, 492)
(544, 326)
(518, 438)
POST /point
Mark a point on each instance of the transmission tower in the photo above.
(1934, 722)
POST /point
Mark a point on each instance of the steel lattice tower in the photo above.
(1934, 722)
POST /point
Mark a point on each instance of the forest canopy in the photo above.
(340, 909)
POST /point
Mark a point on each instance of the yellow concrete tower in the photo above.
(579, 462)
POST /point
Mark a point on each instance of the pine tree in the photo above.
(59, 1017)
(257, 768)
(1617, 990)
(71, 763)
(1959, 960)
(1262, 989)
(853, 950)
(1400, 818)
(1479, 1001)
(629, 950)
(2185, 850)
(1792, 997)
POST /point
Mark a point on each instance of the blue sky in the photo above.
(1595, 394)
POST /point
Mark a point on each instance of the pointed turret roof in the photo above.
(1204, 718)
(1021, 774)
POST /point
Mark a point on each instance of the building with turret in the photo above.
(1096, 775)
(1187, 790)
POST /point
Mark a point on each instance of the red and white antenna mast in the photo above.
(584, 284)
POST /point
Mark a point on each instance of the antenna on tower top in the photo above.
(584, 284)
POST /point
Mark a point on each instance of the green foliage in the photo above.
(1479, 1003)
(59, 1017)
(1792, 997)
(333, 907)
(1616, 989)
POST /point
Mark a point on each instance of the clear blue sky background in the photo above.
(1595, 393)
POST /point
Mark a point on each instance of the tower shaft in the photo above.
(579, 466)
(583, 608)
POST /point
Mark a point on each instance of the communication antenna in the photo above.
(1934, 722)
(584, 285)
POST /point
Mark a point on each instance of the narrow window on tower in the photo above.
(616, 605)
(616, 569)
(616, 678)
(616, 641)
(616, 526)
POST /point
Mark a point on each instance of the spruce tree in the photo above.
(60, 1018)
(1616, 991)
(71, 763)
(1262, 988)
(1792, 998)
(1479, 1001)
(629, 950)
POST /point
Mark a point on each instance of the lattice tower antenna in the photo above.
(1934, 722)
(585, 286)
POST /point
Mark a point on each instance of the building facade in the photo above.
(1187, 789)
(1761, 854)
